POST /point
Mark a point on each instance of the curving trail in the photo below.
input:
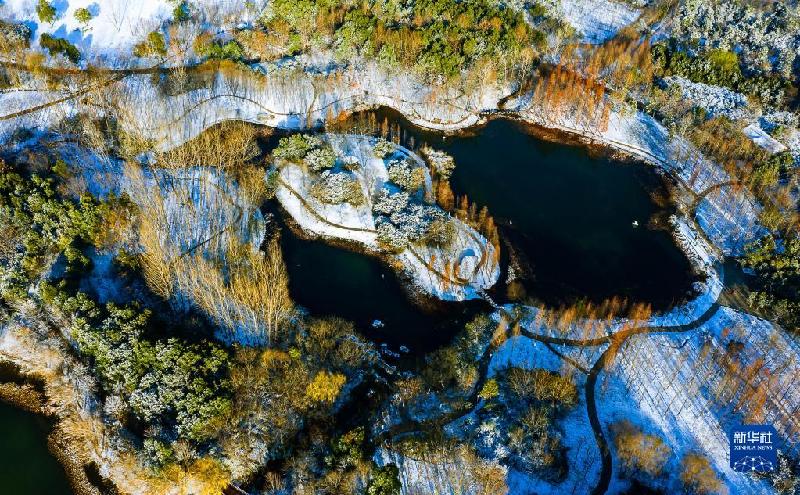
(606, 358)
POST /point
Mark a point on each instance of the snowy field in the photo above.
(596, 20)
(108, 37)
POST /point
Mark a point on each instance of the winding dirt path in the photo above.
(607, 357)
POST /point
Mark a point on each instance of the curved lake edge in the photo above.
(685, 234)
(705, 258)
(28, 394)
(671, 185)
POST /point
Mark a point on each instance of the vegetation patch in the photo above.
(435, 38)
(60, 46)
(720, 68)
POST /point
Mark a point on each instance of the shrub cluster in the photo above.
(338, 187)
(401, 221)
(764, 33)
(83, 15)
(172, 385)
(38, 224)
(405, 175)
(530, 401)
(294, 148)
(776, 264)
(214, 49)
(153, 46)
(436, 38)
(639, 452)
(61, 46)
(45, 11)
(320, 159)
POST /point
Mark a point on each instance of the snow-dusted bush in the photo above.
(351, 163)
(764, 36)
(383, 148)
(390, 237)
(441, 163)
(388, 203)
(412, 221)
(416, 221)
(336, 188)
(14, 35)
(320, 159)
(440, 232)
(295, 147)
(771, 121)
(406, 175)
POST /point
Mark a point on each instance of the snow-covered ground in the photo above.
(761, 138)
(583, 456)
(596, 20)
(423, 264)
(678, 385)
(720, 101)
(109, 36)
(716, 100)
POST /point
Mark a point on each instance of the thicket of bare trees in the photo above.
(192, 255)
(227, 146)
(589, 81)
(251, 295)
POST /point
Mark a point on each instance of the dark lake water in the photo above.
(571, 215)
(26, 466)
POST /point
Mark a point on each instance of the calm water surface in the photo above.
(331, 281)
(581, 221)
(26, 466)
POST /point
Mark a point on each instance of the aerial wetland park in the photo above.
(399, 247)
